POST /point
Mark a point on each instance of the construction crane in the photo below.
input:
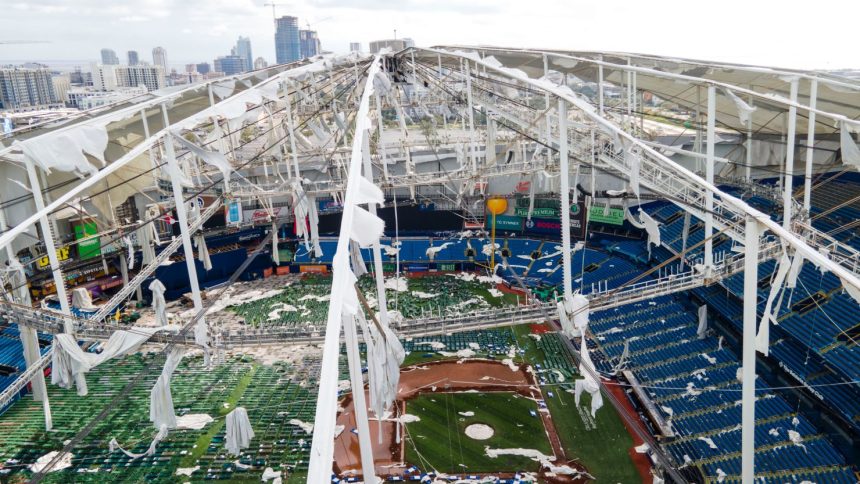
(273, 5)
(308, 24)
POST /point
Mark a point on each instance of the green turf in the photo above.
(602, 450)
(439, 442)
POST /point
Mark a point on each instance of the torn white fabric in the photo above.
(130, 247)
(82, 299)
(359, 268)
(159, 305)
(702, 330)
(113, 445)
(850, 151)
(68, 360)
(161, 410)
(313, 222)
(224, 89)
(633, 221)
(385, 354)
(566, 325)
(851, 290)
(588, 383)
(213, 158)
(366, 228)
(239, 432)
(42, 462)
(276, 255)
(744, 109)
(652, 228)
(762, 339)
(65, 150)
(794, 271)
(580, 312)
(202, 251)
(634, 162)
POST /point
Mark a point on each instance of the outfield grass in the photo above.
(440, 442)
(602, 449)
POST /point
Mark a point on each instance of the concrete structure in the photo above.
(230, 64)
(109, 57)
(260, 63)
(159, 58)
(243, 49)
(287, 46)
(355, 46)
(133, 58)
(309, 43)
(103, 77)
(26, 89)
(152, 77)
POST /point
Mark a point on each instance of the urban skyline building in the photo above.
(260, 63)
(109, 57)
(355, 46)
(204, 68)
(103, 77)
(230, 64)
(152, 77)
(159, 58)
(309, 43)
(243, 49)
(287, 45)
(133, 58)
(24, 89)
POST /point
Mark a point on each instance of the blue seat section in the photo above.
(12, 355)
(810, 454)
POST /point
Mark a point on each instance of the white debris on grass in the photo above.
(398, 284)
(559, 375)
(42, 462)
(464, 353)
(187, 471)
(424, 295)
(495, 292)
(436, 345)
(308, 297)
(307, 427)
(467, 414)
(513, 366)
(193, 421)
(643, 449)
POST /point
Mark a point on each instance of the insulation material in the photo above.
(68, 360)
(359, 268)
(702, 330)
(159, 304)
(313, 222)
(385, 355)
(276, 255)
(161, 410)
(202, 251)
(212, 158)
(239, 432)
(744, 110)
(588, 383)
(130, 246)
(634, 163)
(850, 151)
(566, 324)
(652, 228)
(161, 435)
(579, 310)
(762, 338)
(367, 228)
(66, 150)
(82, 299)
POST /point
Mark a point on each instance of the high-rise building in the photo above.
(109, 57)
(260, 63)
(62, 84)
(80, 78)
(133, 58)
(355, 47)
(230, 64)
(203, 68)
(243, 49)
(104, 77)
(287, 47)
(309, 43)
(159, 58)
(152, 77)
(26, 89)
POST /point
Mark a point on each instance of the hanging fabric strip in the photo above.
(702, 330)
(161, 410)
(358, 265)
(113, 445)
(744, 109)
(685, 235)
(159, 305)
(130, 246)
(276, 256)
(762, 339)
(203, 251)
(239, 431)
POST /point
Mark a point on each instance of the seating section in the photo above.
(694, 383)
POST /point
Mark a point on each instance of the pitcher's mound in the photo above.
(479, 431)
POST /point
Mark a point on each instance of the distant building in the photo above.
(408, 42)
(109, 57)
(152, 77)
(287, 46)
(230, 64)
(260, 63)
(243, 49)
(393, 44)
(204, 68)
(84, 98)
(355, 47)
(104, 77)
(80, 78)
(62, 84)
(159, 58)
(309, 43)
(133, 58)
(26, 89)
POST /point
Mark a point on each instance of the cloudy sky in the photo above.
(786, 33)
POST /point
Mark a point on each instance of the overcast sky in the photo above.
(786, 33)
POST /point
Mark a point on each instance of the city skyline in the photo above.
(195, 30)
